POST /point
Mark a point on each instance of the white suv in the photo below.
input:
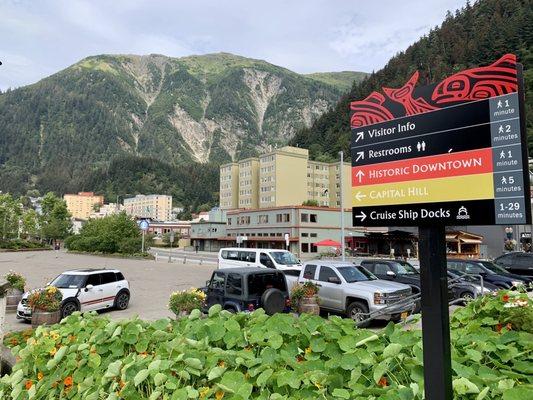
(86, 290)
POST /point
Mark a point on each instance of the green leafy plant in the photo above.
(256, 356)
(16, 280)
(301, 290)
(47, 299)
(186, 300)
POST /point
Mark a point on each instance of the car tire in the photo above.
(68, 308)
(354, 312)
(273, 301)
(122, 300)
(467, 296)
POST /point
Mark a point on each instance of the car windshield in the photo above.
(355, 274)
(493, 267)
(65, 281)
(284, 258)
(404, 268)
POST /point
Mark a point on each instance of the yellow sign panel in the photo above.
(457, 188)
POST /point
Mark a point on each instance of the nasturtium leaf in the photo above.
(341, 393)
(141, 377)
(482, 394)
(264, 377)
(464, 386)
(156, 394)
(195, 314)
(275, 341)
(380, 369)
(519, 393)
(505, 384)
(193, 363)
(113, 369)
(215, 373)
(159, 379)
(392, 350)
(318, 344)
(346, 343)
(154, 366)
(214, 310)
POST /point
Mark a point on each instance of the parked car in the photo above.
(517, 262)
(490, 272)
(262, 258)
(247, 289)
(86, 290)
(354, 291)
(468, 287)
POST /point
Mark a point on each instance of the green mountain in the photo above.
(64, 130)
(342, 80)
(478, 34)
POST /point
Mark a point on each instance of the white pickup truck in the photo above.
(354, 291)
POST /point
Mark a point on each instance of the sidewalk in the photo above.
(184, 256)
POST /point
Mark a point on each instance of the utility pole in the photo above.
(341, 176)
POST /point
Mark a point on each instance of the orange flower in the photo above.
(71, 338)
(499, 328)
(121, 384)
(219, 395)
(40, 375)
(509, 326)
(143, 354)
(299, 358)
(53, 351)
(383, 382)
(68, 381)
(505, 298)
(54, 385)
(14, 341)
(28, 385)
(221, 363)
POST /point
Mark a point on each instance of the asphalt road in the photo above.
(151, 282)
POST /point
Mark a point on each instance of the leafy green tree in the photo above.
(117, 233)
(55, 220)
(30, 224)
(166, 239)
(310, 203)
(10, 212)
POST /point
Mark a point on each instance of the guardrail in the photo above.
(184, 259)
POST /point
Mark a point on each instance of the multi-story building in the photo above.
(81, 205)
(105, 210)
(154, 206)
(249, 183)
(229, 186)
(282, 177)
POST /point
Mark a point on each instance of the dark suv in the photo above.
(491, 272)
(246, 289)
(517, 262)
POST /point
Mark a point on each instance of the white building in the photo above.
(157, 207)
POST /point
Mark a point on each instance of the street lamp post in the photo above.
(343, 244)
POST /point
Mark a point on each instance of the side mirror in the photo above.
(88, 287)
(392, 274)
(334, 279)
(207, 284)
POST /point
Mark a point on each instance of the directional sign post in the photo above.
(144, 225)
(453, 153)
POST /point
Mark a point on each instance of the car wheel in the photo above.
(122, 300)
(68, 308)
(467, 296)
(358, 312)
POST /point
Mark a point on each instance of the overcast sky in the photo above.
(40, 37)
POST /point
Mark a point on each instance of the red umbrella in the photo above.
(328, 243)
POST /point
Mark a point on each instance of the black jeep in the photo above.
(246, 289)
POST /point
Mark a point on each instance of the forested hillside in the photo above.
(478, 34)
(64, 132)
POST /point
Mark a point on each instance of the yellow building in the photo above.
(229, 186)
(282, 177)
(249, 183)
(81, 205)
(157, 207)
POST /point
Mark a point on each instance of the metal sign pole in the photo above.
(435, 314)
(343, 244)
(142, 243)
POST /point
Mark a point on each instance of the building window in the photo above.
(314, 218)
(314, 249)
(286, 218)
(305, 247)
(305, 218)
(313, 234)
(305, 235)
(278, 218)
(263, 219)
(273, 234)
(229, 221)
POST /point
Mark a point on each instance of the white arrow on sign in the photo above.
(360, 196)
(360, 156)
(362, 216)
(360, 136)
(360, 174)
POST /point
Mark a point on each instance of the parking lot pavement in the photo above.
(151, 282)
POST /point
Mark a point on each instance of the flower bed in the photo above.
(183, 302)
(254, 356)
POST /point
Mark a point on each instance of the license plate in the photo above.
(404, 315)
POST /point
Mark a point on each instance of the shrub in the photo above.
(186, 301)
(254, 356)
(47, 299)
(301, 290)
(16, 280)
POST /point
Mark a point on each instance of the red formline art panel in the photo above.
(472, 84)
(440, 166)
